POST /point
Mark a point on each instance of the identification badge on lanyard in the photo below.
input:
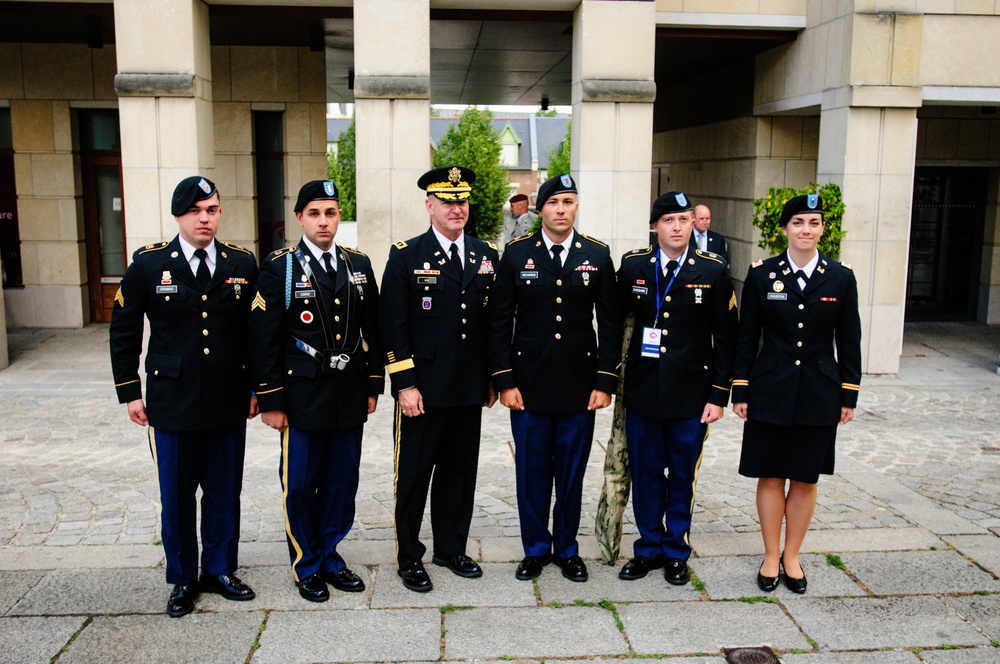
(651, 342)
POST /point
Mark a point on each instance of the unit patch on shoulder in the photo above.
(757, 263)
(400, 245)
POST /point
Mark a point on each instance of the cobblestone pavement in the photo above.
(918, 471)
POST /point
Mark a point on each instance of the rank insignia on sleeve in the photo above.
(732, 301)
(258, 303)
(119, 298)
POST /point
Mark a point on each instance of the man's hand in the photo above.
(254, 408)
(491, 398)
(712, 413)
(741, 410)
(599, 399)
(137, 412)
(372, 403)
(276, 419)
(511, 397)
(411, 402)
(846, 415)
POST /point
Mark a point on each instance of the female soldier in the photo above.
(794, 391)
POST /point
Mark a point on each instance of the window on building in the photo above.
(510, 146)
(269, 158)
(10, 241)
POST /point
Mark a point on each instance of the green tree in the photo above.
(342, 170)
(559, 155)
(473, 142)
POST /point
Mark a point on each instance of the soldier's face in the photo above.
(319, 221)
(200, 223)
(804, 231)
(519, 207)
(448, 217)
(558, 215)
(673, 232)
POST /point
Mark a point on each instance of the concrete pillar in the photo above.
(392, 107)
(613, 119)
(165, 109)
(989, 287)
(4, 354)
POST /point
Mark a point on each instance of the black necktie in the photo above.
(556, 250)
(202, 274)
(331, 272)
(456, 260)
(671, 268)
(802, 275)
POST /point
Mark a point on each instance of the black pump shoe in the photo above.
(767, 583)
(797, 586)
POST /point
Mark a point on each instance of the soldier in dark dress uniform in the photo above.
(794, 391)
(553, 371)
(317, 368)
(196, 293)
(433, 319)
(677, 376)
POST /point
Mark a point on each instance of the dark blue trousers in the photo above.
(319, 483)
(184, 461)
(550, 448)
(663, 503)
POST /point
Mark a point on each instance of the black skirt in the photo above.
(799, 453)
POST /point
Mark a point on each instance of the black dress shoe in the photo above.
(415, 577)
(462, 565)
(182, 599)
(676, 572)
(573, 568)
(531, 567)
(767, 583)
(313, 589)
(639, 567)
(344, 580)
(797, 586)
(230, 587)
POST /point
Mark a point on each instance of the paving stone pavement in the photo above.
(903, 556)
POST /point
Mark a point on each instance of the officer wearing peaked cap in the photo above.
(553, 371)
(196, 293)
(677, 377)
(433, 316)
(317, 367)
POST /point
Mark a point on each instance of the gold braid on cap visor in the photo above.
(447, 191)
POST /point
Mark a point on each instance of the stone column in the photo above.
(4, 354)
(392, 95)
(989, 288)
(614, 48)
(165, 109)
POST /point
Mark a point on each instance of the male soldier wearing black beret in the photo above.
(317, 369)
(553, 371)
(677, 377)
(196, 293)
(433, 320)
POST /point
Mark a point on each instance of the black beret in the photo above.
(448, 183)
(805, 204)
(671, 202)
(189, 191)
(562, 184)
(316, 190)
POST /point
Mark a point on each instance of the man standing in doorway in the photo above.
(433, 319)
(553, 371)
(317, 368)
(705, 239)
(196, 293)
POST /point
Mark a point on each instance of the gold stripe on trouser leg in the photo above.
(284, 502)
(694, 482)
(152, 448)
(397, 426)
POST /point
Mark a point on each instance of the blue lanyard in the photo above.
(660, 299)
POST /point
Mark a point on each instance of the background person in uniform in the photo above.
(794, 391)
(196, 293)
(677, 376)
(553, 371)
(520, 220)
(317, 368)
(433, 320)
(705, 239)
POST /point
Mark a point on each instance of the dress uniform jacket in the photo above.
(698, 320)
(428, 345)
(801, 329)
(716, 244)
(290, 305)
(196, 365)
(552, 354)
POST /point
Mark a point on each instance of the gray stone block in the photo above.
(14, 585)
(540, 632)
(496, 587)
(736, 576)
(820, 541)
(96, 591)
(350, 636)
(891, 622)
(674, 628)
(198, 637)
(869, 657)
(76, 557)
(918, 572)
(276, 590)
(604, 584)
(982, 611)
(965, 656)
(984, 549)
(30, 640)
